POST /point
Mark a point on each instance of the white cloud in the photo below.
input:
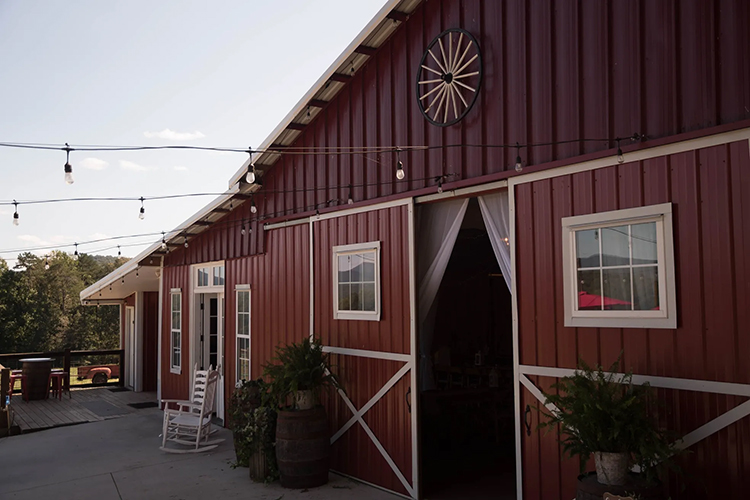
(30, 238)
(171, 135)
(129, 165)
(180, 168)
(94, 164)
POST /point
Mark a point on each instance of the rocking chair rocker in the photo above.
(190, 424)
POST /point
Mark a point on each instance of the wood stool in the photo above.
(57, 381)
(18, 375)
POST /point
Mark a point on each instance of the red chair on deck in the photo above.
(57, 383)
(18, 375)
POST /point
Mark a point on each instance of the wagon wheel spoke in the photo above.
(442, 100)
(425, 82)
(437, 62)
(461, 96)
(453, 98)
(431, 91)
(442, 52)
(434, 71)
(466, 64)
(458, 49)
(464, 85)
(437, 97)
(463, 56)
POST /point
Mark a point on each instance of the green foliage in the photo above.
(253, 422)
(606, 412)
(40, 308)
(299, 367)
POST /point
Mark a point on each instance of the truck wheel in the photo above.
(99, 379)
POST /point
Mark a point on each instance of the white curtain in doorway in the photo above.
(437, 229)
(496, 215)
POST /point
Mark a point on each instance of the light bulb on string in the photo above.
(620, 156)
(253, 207)
(400, 174)
(142, 213)
(519, 164)
(46, 263)
(68, 167)
(119, 253)
(163, 241)
(250, 177)
(136, 271)
(16, 221)
(440, 185)
(75, 254)
(350, 200)
(186, 241)
(242, 230)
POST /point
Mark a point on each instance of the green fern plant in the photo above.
(606, 412)
(297, 367)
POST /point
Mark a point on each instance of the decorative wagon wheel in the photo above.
(449, 77)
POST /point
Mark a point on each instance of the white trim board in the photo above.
(516, 352)
(361, 353)
(640, 155)
(462, 192)
(414, 382)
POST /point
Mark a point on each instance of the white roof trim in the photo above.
(371, 26)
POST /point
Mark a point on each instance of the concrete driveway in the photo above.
(120, 460)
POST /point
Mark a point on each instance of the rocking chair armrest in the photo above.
(179, 402)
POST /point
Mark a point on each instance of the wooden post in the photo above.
(66, 369)
(121, 379)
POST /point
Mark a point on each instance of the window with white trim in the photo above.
(243, 334)
(209, 276)
(176, 331)
(356, 281)
(618, 269)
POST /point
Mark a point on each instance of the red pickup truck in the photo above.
(99, 374)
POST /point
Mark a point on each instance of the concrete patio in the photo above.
(119, 459)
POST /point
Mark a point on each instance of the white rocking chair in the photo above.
(190, 424)
(197, 392)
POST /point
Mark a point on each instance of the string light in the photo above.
(163, 241)
(15, 214)
(142, 213)
(519, 165)
(620, 156)
(253, 208)
(75, 254)
(250, 177)
(440, 185)
(350, 200)
(186, 241)
(119, 253)
(46, 263)
(399, 166)
(242, 231)
(68, 167)
(137, 269)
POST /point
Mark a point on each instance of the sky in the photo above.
(144, 73)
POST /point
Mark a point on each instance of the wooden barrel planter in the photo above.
(303, 448)
(36, 371)
(591, 489)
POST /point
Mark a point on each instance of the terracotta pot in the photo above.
(611, 468)
(304, 400)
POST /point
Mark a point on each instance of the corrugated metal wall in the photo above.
(710, 193)
(174, 386)
(354, 453)
(553, 71)
(150, 339)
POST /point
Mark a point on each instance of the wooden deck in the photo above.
(83, 405)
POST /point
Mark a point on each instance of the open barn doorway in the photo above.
(466, 357)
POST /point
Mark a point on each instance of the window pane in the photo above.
(218, 276)
(344, 299)
(615, 248)
(175, 358)
(356, 265)
(356, 297)
(587, 248)
(616, 287)
(369, 269)
(344, 266)
(644, 243)
(368, 297)
(176, 340)
(175, 320)
(589, 291)
(646, 289)
(175, 302)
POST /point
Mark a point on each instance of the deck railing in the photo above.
(109, 362)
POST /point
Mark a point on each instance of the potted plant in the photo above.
(605, 414)
(298, 373)
(252, 418)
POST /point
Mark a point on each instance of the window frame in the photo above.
(238, 290)
(175, 368)
(339, 250)
(666, 316)
(210, 268)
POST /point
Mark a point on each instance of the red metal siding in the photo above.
(150, 339)
(553, 71)
(710, 193)
(174, 386)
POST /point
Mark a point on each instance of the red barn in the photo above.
(475, 195)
